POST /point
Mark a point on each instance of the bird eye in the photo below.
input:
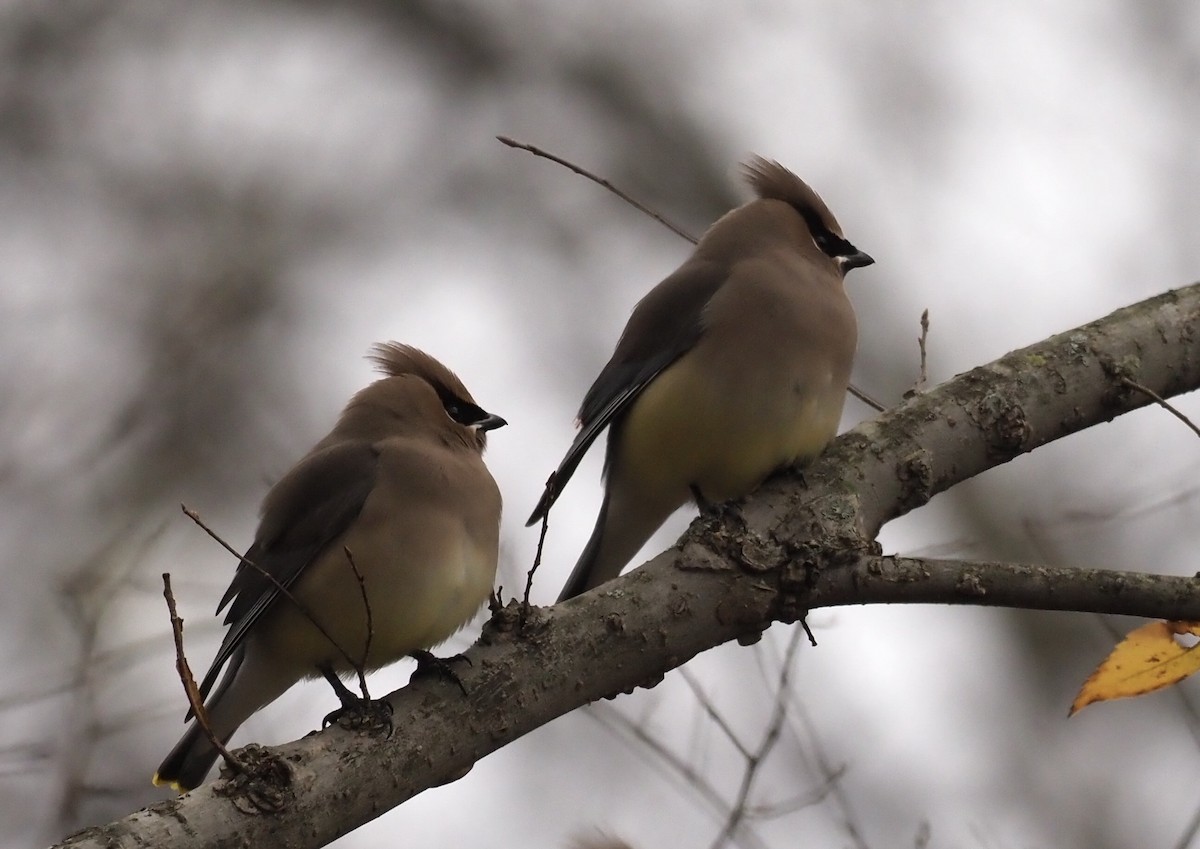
(831, 245)
(463, 412)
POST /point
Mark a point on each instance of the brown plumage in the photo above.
(399, 483)
(734, 365)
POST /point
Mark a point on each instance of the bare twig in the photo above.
(800, 801)
(923, 377)
(804, 728)
(189, 682)
(795, 803)
(614, 720)
(195, 517)
(770, 737)
(812, 638)
(865, 398)
(362, 588)
(537, 561)
(308, 614)
(711, 710)
(923, 371)
(1162, 402)
(537, 151)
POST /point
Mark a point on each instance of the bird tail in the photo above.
(188, 763)
(584, 575)
(622, 528)
(194, 755)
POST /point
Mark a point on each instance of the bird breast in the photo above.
(763, 387)
(426, 568)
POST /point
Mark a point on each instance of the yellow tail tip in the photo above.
(159, 781)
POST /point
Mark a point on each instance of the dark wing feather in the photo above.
(308, 509)
(664, 325)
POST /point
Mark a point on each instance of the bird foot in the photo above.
(369, 715)
(710, 510)
(357, 713)
(429, 664)
(795, 469)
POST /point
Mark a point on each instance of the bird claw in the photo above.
(369, 715)
(428, 664)
(357, 713)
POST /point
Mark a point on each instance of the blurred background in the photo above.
(212, 209)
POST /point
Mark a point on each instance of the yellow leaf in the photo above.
(1148, 659)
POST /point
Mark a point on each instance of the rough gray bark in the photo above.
(794, 546)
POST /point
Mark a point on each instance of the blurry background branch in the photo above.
(791, 548)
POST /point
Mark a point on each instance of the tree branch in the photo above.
(794, 546)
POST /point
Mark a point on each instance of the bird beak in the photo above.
(858, 259)
(490, 423)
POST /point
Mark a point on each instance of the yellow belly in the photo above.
(687, 429)
(421, 588)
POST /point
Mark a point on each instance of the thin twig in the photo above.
(865, 398)
(774, 727)
(801, 800)
(195, 517)
(798, 715)
(812, 638)
(923, 377)
(692, 778)
(308, 614)
(537, 561)
(1162, 402)
(711, 710)
(582, 172)
(362, 588)
(189, 682)
(923, 372)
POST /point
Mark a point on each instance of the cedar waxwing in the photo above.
(401, 485)
(734, 365)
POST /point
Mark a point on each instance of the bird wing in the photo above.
(310, 507)
(664, 325)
